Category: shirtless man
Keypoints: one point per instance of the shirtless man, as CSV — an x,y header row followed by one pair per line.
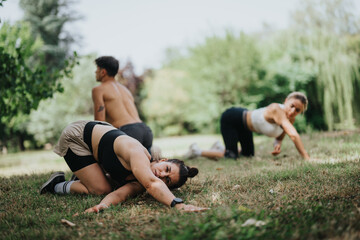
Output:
x,y
114,103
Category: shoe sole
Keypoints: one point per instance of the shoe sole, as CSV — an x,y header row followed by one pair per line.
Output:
x,y
54,175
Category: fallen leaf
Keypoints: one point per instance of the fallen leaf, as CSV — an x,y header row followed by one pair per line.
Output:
x,y
68,223
244,209
235,187
252,221
219,169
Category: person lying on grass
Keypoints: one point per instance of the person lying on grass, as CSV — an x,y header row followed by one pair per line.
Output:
x,y
91,148
238,124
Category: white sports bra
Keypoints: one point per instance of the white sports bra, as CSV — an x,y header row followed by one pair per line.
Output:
x,y
262,126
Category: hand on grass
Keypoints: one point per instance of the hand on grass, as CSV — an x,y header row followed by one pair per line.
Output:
x,y
277,149
96,209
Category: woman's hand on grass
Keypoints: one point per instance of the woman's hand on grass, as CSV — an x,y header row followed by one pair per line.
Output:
x,y
277,147
96,208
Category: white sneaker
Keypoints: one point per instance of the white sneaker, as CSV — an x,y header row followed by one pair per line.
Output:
x,y
217,146
193,152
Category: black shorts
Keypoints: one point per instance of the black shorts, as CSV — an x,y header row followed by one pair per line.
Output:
x,y
76,162
139,131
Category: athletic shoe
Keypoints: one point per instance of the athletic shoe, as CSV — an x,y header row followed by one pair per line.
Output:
x,y
218,146
49,185
193,152
74,178
155,152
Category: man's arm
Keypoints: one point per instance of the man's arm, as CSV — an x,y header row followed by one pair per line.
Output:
x,y
99,104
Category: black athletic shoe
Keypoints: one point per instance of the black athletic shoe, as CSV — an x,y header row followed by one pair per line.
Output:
x,y
74,178
49,185
230,154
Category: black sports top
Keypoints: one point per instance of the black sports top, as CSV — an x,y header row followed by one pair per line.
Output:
x,y
106,155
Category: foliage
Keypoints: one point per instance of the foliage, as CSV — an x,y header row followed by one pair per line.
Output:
x,y
326,32
23,83
47,20
74,103
318,55
34,57
189,94
315,200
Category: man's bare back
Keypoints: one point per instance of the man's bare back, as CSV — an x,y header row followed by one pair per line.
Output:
x,y
114,104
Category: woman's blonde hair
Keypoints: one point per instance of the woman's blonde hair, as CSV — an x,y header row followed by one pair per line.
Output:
x,y
302,97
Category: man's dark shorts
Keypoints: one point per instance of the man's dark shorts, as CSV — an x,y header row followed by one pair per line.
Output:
x,y
139,131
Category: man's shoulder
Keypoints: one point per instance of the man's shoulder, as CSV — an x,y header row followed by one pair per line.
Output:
x,y
97,88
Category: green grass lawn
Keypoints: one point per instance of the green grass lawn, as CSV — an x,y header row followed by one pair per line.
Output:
x,y
293,199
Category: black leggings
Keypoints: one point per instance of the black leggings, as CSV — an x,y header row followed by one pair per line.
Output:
x,y
233,130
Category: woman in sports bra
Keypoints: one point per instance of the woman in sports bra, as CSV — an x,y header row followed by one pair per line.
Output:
x,y
94,149
237,125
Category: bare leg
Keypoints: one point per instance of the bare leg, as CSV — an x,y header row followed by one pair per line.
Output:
x,y
212,153
92,181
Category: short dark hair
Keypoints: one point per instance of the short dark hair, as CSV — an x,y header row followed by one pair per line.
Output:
x,y
110,64
184,173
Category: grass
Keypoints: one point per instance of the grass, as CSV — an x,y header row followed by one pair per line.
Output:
x,y
295,200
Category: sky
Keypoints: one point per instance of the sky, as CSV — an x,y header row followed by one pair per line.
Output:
x,y
141,30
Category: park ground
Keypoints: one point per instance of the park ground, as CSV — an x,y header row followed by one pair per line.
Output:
x,y
263,197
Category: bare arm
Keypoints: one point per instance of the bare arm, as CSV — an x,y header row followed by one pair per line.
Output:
x,y
153,185
140,167
277,144
99,104
118,196
281,119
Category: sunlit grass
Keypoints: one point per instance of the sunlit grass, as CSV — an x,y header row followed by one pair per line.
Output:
x,y
293,199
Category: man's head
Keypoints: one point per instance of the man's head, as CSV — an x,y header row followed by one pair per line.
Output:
x,y
106,65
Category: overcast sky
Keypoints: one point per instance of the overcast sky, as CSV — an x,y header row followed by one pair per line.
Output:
x,y
141,30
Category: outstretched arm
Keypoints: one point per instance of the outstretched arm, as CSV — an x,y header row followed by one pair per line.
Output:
x,y
281,119
140,167
154,186
99,104
120,195
295,137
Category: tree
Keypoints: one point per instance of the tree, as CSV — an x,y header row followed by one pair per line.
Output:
x,y
25,78
325,31
190,92
22,85
74,103
48,19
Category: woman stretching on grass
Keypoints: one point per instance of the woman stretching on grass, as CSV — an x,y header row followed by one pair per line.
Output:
x,y
91,148
237,125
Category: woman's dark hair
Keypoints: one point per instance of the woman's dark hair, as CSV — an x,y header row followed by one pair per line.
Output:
x,y
185,172
110,64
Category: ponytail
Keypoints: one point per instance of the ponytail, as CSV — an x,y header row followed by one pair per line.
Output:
x,y
185,172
